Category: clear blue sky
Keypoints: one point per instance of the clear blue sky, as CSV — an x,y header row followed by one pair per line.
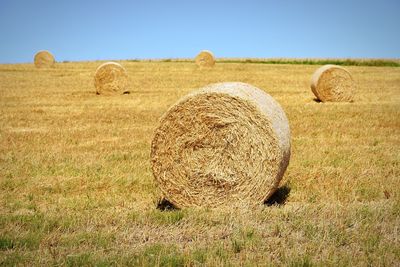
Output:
x,y
91,30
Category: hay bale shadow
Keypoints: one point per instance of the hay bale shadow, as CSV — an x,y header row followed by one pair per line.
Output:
x,y
279,197
317,100
165,205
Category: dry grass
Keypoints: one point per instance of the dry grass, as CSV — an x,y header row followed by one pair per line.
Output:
x,y
76,186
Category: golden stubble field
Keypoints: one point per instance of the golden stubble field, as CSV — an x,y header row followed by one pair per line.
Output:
x,y
76,186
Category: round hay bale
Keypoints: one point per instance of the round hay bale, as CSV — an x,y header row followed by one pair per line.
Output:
x,y
205,59
44,59
332,83
111,78
225,143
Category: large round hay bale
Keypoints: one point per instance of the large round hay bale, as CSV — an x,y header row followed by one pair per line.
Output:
x,y
225,143
332,83
205,59
111,78
44,59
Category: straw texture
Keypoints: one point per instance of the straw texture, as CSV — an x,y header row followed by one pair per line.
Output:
x,y
205,59
111,78
223,144
44,59
332,83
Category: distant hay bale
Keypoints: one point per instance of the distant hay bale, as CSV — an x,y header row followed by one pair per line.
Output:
x,y
111,78
225,143
205,59
44,59
332,83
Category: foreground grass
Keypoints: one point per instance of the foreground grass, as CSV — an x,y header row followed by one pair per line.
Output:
x,y
76,186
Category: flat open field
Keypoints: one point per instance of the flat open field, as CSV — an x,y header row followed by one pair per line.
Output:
x,y
76,187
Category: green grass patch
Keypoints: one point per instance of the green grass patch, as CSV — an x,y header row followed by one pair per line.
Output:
x,y
303,261
199,256
29,241
36,222
6,243
165,217
82,259
340,62
13,259
95,239
159,255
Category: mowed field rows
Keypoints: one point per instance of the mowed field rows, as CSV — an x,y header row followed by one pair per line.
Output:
x,y
76,186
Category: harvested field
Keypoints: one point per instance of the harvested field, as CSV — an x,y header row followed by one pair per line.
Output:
x,y
76,186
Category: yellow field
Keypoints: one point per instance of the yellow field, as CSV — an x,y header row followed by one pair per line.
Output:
x,y
76,186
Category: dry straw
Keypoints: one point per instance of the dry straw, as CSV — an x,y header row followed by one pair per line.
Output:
x,y
44,59
205,59
223,144
111,78
332,83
